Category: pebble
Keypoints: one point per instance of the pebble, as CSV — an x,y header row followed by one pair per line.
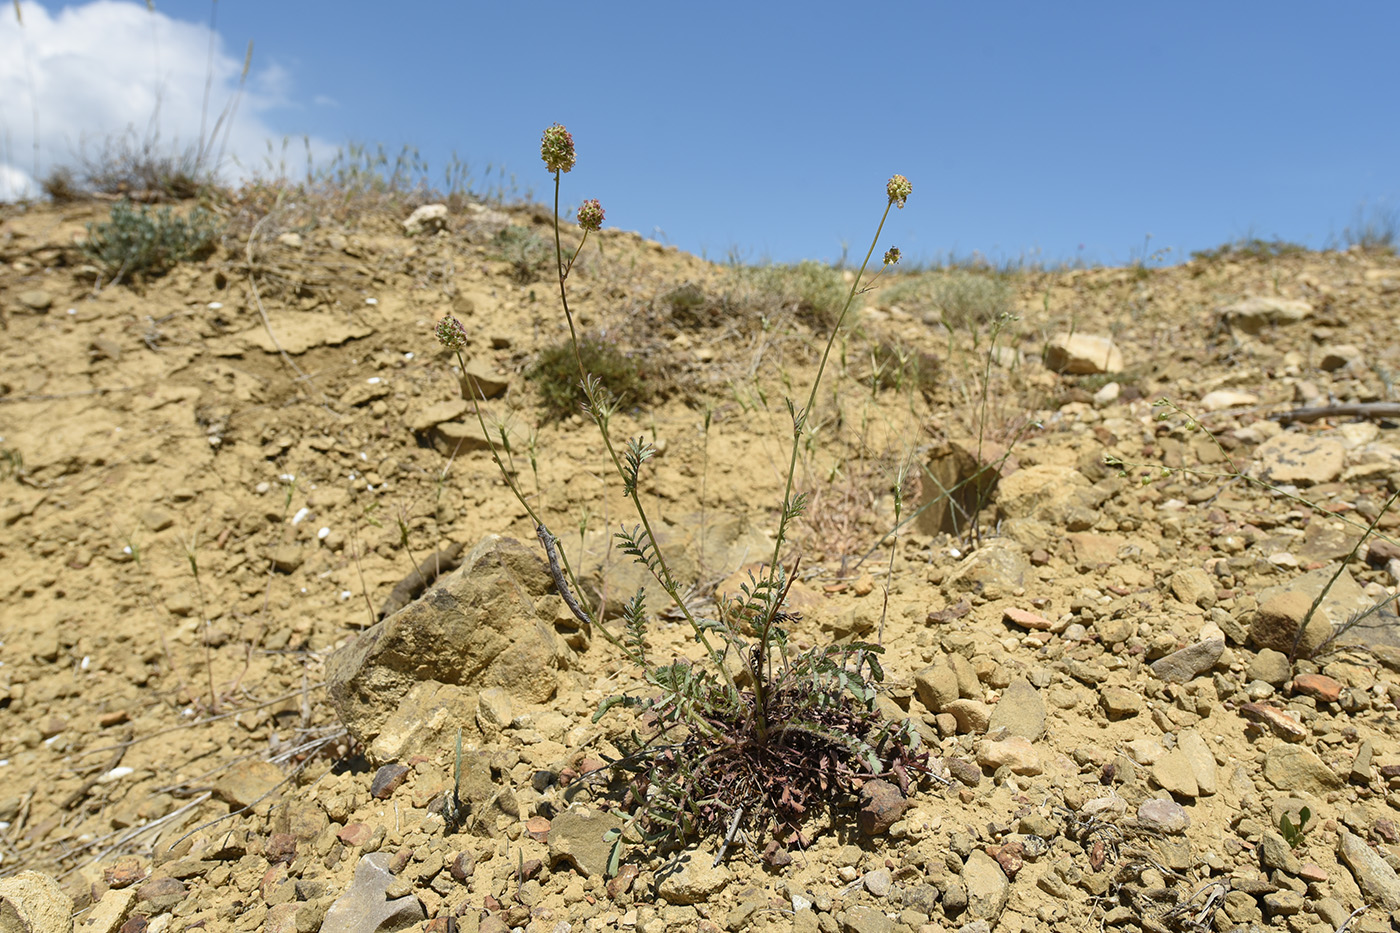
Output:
x,y
1318,686
1013,752
987,886
387,780
1020,711
1166,816
1173,773
877,882
1270,666
1294,768
1120,702
1180,667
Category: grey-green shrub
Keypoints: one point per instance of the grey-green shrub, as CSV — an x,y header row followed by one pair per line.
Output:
x,y
142,241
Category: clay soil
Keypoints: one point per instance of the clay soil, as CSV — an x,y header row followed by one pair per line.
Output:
x,y
209,476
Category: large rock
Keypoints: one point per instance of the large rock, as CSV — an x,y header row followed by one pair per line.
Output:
x,y
1055,494
1253,314
1282,609
576,837
1294,768
1375,878
1300,458
955,484
1082,354
482,625
31,902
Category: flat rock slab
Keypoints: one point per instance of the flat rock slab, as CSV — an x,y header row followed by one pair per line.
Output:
x,y
365,906
576,837
297,332
1300,458
1374,877
1182,666
34,903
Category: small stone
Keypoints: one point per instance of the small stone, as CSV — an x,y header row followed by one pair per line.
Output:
x,y
697,878
972,716
387,780
1252,314
355,834
1283,903
494,709
1020,711
1285,725
1013,752
1300,458
1180,667
1166,816
32,902
161,893
1173,773
35,299
1082,354
877,882
1339,356
1193,746
1318,686
884,805
1194,587
1028,620
1361,764
287,558
964,771
986,886
1374,876
1120,702
937,686
862,919
576,836
1275,853
240,787
1228,398
429,218
1270,666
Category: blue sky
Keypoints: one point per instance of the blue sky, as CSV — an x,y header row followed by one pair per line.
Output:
x,y
1043,131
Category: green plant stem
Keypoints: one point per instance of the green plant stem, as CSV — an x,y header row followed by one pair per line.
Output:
x,y
539,522
799,420
663,575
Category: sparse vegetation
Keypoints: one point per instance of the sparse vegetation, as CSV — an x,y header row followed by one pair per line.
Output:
x,y
527,253
1249,248
1373,231
754,734
555,373
146,242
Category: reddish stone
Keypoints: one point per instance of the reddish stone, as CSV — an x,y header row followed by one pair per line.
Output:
x,y
463,866
883,805
387,780
538,828
1318,686
281,847
355,834
620,883
115,718
1011,857
1027,619
1311,871
1284,725
126,872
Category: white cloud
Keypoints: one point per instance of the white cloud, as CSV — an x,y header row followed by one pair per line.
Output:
x,y
107,69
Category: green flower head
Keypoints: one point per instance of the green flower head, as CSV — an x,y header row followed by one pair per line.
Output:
x,y
557,149
898,188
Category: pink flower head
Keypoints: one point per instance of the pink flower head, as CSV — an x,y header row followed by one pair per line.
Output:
x,y
898,188
590,215
557,149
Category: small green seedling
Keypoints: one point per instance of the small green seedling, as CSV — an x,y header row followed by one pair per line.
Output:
x,y
1293,835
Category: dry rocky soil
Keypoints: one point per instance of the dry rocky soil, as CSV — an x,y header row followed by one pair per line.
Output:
x,y
212,481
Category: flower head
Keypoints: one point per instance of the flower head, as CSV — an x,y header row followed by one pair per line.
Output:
x,y
557,149
892,255
451,334
898,188
590,215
